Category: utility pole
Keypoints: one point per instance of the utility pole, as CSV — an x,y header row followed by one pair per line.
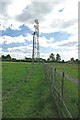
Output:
x,y
35,52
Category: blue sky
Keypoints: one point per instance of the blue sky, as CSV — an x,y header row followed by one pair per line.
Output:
x,y
58,36
57,26
15,33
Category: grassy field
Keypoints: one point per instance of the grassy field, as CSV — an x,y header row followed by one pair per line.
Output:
x,y
70,95
71,69
0,89
26,92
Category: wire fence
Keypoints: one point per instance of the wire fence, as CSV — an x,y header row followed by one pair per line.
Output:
x,y
64,88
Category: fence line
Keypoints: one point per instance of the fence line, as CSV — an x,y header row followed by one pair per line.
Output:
x,y
69,77
63,103
52,77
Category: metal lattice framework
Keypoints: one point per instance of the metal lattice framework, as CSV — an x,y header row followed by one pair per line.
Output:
x,y
35,53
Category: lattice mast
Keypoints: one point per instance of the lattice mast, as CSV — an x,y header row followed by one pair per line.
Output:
x,y
35,53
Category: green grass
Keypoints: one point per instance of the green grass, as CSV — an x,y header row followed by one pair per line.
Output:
x,y
28,99
31,98
70,88
71,97
71,69
0,89
12,74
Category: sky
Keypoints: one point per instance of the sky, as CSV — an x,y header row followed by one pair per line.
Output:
x,y
58,27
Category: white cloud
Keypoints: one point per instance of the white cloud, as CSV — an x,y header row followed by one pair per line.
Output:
x,y
55,20
67,48
44,42
17,7
47,13
19,12
16,55
44,55
6,22
9,39
66,55
21,51
19,39
0,50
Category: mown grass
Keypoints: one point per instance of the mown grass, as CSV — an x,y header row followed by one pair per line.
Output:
x,y
26,99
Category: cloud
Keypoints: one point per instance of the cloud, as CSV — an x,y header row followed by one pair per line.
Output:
x,y
47,46
61,10
21,49
17,45
58,36
21,5
50,19
65,54
34,11
47,13
19,39
69,44
23,30
44,42
9,39
56,21
52,1
16,55
3,7
0,49
67,48
68,23
8,10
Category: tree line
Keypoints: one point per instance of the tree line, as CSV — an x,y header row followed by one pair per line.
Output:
x,y
57,58
52,58
26,59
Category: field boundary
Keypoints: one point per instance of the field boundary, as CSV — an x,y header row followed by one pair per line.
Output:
x,y
69,77
50,73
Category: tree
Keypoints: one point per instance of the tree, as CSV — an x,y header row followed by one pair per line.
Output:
x,y
2,57
41,60
28,59
58,57
48,59
72,59
77,60
62,61
8,57
52,58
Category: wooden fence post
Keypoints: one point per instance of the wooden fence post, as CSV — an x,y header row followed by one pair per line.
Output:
x,y
54,74
51,81
62,85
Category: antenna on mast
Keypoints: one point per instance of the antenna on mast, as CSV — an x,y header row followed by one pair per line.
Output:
x,y
35,52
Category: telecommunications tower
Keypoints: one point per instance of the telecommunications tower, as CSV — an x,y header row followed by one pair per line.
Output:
x,y
35,52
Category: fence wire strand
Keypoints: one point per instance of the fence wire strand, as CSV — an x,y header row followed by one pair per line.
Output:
x,y
51,76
